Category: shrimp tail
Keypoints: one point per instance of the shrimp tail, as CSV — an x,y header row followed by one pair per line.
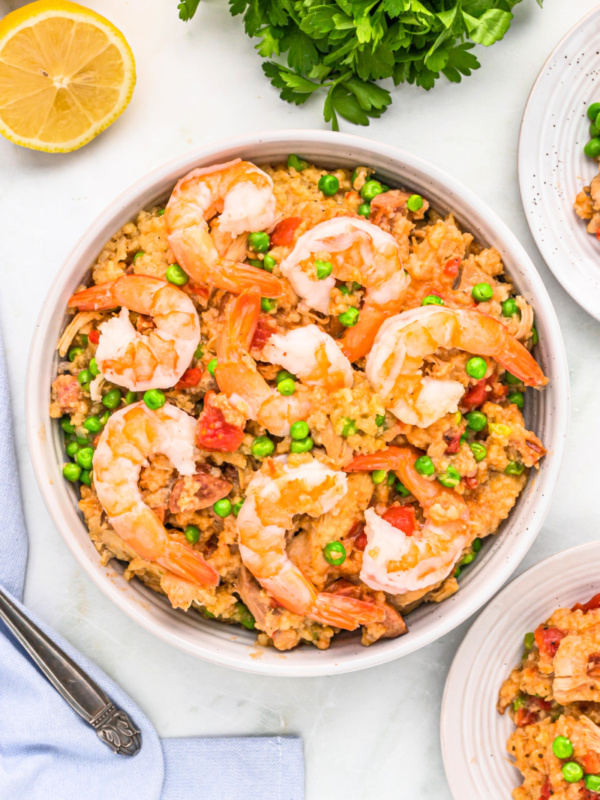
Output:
x,y
95,298
188,564
347,612
391,458
517,359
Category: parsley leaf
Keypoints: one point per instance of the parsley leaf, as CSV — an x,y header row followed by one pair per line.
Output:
x,y
187,9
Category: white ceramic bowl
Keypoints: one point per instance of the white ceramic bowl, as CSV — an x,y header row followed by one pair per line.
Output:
x,y
546,412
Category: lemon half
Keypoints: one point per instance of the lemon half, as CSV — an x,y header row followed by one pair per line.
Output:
x,y
66,74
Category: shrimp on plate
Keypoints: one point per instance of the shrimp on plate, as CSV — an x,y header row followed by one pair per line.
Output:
x,y
314,354
394,365
243,196
397,561
576,667
130,436
274,496
358,251
154,360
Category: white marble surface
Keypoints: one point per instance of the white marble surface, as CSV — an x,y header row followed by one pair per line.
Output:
x,y
366,735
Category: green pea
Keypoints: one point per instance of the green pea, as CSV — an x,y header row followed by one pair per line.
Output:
x,y
378,476
509,307
84,457
516,398
212,365
113,398
323,268
93,424
286,387
356,286
478,450
71,472
138,255
593,111
349,427
349,318
534,337
592,148
594,130
334,553
245,616
518,703
199,352
562,747
104,418
176,275
131,397
82,441
401,489
476,545
450,478
255,262
208,614
345,290
299,430
329,185
192,533
74,352
67,425
529,640
514,468
512,379
482,292
364,210
370,190
592,783
84,377
86,477
572,772
476,367
269,263
267,305
302,445
414,202
457,573
391,479
380,420
259,241
154,399
283,375
84,339
432,300
468,559
237,507
262,447
93,367
296,162
72,448
424,465
476,420
222,508
160,212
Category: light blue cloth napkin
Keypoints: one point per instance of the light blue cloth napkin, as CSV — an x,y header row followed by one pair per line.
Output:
x,y
48,753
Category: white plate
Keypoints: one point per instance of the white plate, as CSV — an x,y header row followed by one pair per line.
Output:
x,y
473,734
546,413
552,164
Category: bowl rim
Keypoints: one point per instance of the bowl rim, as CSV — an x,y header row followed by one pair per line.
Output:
x,y
450,614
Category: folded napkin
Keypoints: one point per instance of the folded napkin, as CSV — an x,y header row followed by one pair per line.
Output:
x,y
47,752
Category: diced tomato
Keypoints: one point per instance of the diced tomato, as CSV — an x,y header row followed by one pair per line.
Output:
x,y
470,482
451,267
214,432
548,639
453,440
546,790
191,377
545,705
401,517
265,328
474,396
284,231
361,542
94,336
589,606
591,763
357,532
525,716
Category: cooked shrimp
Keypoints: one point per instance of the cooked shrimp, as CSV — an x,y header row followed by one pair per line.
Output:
x,y
243,195
155,360
358,251
311,354
576,667
273,497
399,563
394,365
238,377
130,436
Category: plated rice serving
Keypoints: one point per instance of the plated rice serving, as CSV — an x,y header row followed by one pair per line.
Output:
x,y
292,400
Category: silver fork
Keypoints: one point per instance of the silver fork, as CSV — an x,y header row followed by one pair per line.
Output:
x,y
112,725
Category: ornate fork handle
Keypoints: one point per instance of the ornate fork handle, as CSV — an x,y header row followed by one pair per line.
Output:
x,y
112,725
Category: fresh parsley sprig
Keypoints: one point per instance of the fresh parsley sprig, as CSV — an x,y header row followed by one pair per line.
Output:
x,y
340,48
